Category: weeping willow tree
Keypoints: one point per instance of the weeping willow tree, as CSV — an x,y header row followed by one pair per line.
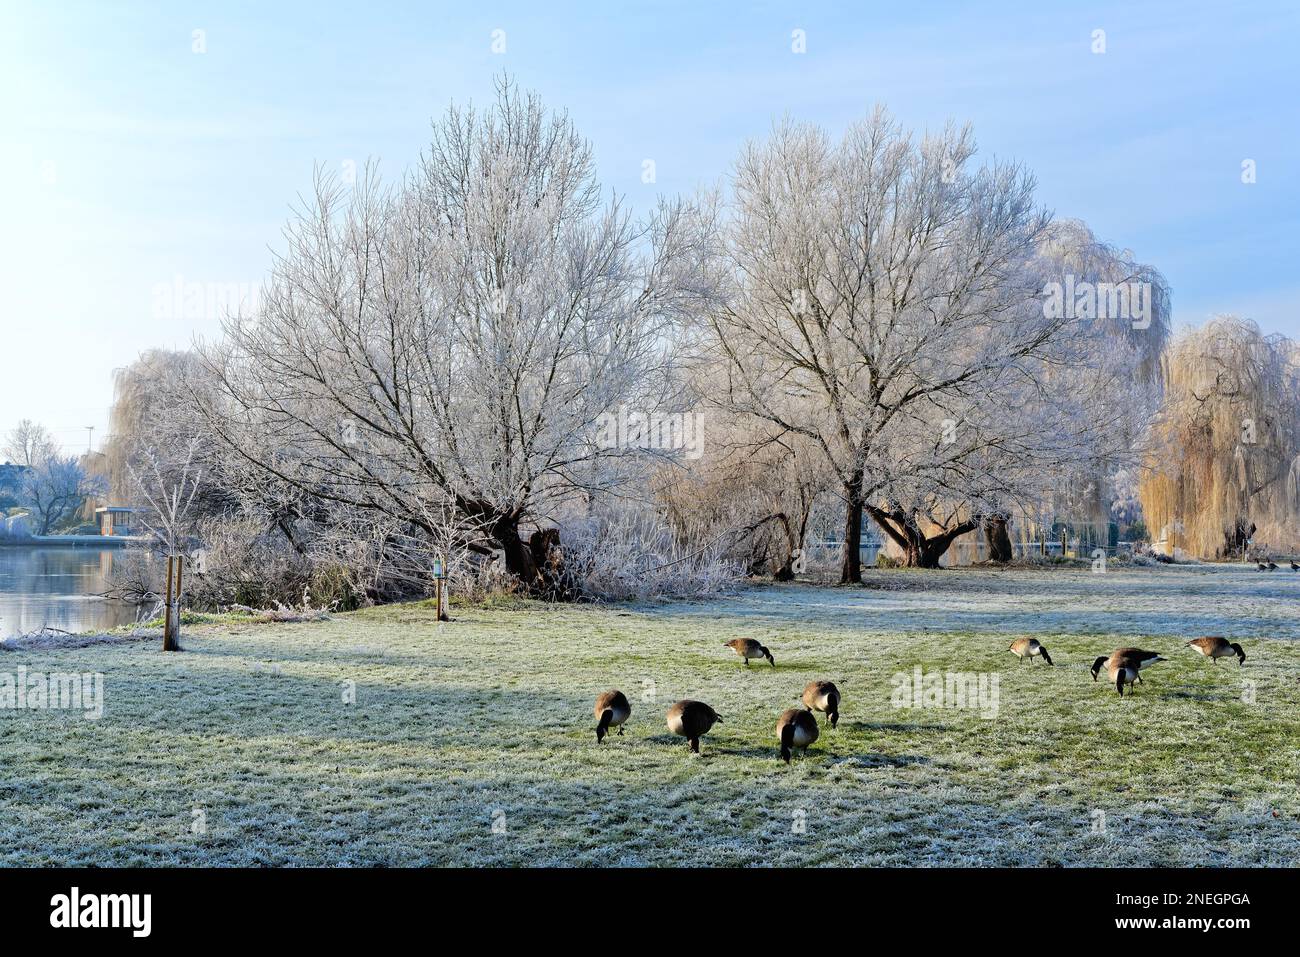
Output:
x,y
144,393
1224,465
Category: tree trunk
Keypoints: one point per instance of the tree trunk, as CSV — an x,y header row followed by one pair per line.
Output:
x,y
538,563
555,581
851,568
922,552
518,555
919,550
1235,538
926,552
933,548
998,539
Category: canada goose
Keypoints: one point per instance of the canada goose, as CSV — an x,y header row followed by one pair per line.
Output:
x,y
692,720
796,728
749,648
823,696
1262,566
1214,648
1123,671
1139,657
611,711
1028,648
1272,565
1294,566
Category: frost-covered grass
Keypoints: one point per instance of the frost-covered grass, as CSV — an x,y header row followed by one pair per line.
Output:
x,y
488,720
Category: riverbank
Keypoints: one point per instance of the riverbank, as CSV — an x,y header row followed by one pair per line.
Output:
x,y
472,742
68,541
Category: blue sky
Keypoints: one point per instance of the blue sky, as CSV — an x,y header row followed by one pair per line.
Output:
x,y
127,160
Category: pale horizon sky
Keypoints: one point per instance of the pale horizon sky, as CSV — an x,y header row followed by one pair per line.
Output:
x,y
129,162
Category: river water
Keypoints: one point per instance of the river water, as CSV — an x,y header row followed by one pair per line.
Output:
x,y
57,586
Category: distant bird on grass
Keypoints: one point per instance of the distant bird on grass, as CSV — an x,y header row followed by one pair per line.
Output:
x,y
692,720
749,648
823,696
1214,648
796,728
1139,657
611,710
1029,648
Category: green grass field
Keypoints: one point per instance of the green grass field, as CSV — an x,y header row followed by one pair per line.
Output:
x,y
472,743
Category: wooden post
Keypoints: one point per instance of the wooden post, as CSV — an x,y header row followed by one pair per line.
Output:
x,y
167,608
439,577
171,609
176,594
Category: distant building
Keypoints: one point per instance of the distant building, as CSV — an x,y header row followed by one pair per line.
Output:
x,y
118,520
16,526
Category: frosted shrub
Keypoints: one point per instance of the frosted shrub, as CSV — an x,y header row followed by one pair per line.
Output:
x,y
632,554
245,565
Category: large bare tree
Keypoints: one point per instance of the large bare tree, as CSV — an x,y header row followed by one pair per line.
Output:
x,y
451,342
1058,425
885,286
29,444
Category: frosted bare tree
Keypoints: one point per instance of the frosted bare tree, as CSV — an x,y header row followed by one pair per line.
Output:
x,y
168,484
29,444
54,489
450,343
972,461
880,281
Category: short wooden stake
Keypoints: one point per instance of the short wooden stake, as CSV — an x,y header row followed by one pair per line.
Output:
x,y
171,608
442,610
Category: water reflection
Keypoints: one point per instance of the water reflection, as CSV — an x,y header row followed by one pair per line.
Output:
x,y
58,587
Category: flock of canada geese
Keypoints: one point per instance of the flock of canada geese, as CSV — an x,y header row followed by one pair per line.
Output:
x,y
1124,665
1272,566
797,727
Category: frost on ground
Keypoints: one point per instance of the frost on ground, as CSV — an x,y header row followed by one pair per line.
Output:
x,y
48,639
472,743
